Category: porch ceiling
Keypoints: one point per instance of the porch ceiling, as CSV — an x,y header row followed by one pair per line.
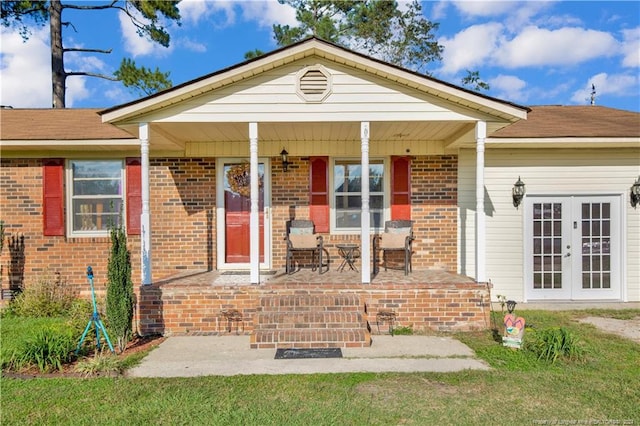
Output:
x,y
175,135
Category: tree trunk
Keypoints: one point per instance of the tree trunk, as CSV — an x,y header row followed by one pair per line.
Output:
x,y
58,75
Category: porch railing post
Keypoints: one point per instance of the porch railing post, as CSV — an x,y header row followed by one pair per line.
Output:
x,y
481,245
254,220
365,224
145,222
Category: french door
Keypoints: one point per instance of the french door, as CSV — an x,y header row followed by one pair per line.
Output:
x,y
573,248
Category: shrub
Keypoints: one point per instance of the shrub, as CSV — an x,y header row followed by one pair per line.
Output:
x,y
49,349
120,289
46,297
100,363
550,344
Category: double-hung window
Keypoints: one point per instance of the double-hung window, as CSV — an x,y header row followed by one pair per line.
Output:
x,y
95,196
347,194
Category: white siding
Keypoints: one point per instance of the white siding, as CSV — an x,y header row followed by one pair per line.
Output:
x,y
544,172
272,97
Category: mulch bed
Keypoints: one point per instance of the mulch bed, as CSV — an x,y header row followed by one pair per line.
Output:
x,y
138,344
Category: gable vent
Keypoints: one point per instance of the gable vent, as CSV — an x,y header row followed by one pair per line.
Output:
x,y
313,83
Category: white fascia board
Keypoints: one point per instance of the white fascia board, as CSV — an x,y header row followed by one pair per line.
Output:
x,y
563,142
465,99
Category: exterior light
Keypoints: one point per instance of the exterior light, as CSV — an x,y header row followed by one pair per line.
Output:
x,y
285,159
518,192
635,193
511,305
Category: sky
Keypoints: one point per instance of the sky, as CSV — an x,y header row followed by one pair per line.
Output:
x,y
530,52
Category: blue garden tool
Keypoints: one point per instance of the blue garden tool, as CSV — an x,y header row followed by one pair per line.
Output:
x,y
95,319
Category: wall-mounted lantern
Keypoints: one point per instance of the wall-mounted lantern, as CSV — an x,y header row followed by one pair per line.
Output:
x,y
285,159
635,193
518,192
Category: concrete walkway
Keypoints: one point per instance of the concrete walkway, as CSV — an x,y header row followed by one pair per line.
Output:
x,y
190,356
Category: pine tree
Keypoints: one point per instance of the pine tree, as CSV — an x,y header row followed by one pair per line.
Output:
x,y
120,298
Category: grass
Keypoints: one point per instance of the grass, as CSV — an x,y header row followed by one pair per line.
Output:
x,y
520,389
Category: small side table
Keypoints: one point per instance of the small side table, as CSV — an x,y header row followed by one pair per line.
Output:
x,y
386,316
233,316
349,253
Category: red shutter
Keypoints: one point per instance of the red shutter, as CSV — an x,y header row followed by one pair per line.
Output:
x,y
53,197
134,195
400,188
319,200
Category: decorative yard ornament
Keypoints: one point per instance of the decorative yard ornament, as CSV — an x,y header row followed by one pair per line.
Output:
x,y
513,328
95,319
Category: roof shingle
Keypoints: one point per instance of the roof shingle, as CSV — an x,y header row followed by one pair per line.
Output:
x,y
56,124
573,121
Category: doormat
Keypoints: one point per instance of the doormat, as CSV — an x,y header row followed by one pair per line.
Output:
x,y
297,353
247,273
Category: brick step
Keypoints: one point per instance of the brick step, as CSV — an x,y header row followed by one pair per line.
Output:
x,y
309,302
310,319
297,338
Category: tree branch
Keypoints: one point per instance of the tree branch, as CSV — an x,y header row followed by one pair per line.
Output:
x,y
77,49
92,74
99,7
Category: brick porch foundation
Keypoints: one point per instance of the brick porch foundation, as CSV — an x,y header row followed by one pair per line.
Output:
x,y
190,309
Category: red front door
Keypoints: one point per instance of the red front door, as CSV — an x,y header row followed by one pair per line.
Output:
x,y
237,206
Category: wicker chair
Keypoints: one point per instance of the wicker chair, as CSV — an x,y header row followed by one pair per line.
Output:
x,y
397,237
301,237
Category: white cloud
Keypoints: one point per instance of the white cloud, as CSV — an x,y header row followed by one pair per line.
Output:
x,y
194,11
631,48
509,87
25,70
566,46
438,11
267,13
614,84
191,45
136,45
470,47
484,8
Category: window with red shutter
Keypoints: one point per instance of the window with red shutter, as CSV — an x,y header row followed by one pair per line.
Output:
x,y
400,188
53,197
319,193
133,205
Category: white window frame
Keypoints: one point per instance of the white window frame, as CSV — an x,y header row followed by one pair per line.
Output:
x,y
70,197
386,172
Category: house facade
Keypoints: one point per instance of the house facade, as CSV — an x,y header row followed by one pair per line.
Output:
x,y
208,174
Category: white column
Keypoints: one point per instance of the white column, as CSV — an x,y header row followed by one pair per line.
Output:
x,y
365,224
254,219
145,221
481,233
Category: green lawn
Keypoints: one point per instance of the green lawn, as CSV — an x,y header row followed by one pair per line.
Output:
x,y
603,389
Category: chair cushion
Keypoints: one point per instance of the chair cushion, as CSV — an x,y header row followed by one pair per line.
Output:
x,y
301,231
403,231
393,241
303,241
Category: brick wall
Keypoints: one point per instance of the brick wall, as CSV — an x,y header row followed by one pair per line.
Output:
x,y
34,256
180,309
183,220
